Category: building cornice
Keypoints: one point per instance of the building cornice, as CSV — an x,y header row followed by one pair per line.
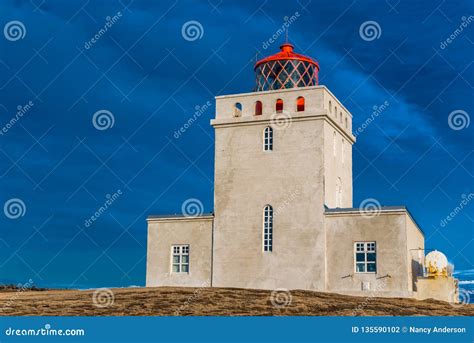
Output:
x,y
269,119
181,218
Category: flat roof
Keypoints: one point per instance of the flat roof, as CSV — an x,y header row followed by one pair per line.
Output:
x,y
180,216
382,209
358,209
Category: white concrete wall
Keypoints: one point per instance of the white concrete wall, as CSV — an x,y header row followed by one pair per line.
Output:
x,y
415,252
389,231
165,232
290,178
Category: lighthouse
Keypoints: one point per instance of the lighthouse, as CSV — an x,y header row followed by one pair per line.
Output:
x,y
283,201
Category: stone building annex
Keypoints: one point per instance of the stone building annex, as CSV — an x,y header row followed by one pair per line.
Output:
x,y
283,212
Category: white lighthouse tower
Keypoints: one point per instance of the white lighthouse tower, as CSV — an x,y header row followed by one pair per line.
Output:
x,y
283,214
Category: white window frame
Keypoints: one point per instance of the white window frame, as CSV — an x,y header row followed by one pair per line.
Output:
x,y
267,229
181,251
365,248
268,139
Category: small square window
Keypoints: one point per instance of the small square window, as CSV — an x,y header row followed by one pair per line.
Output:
x,y
180,259
365,257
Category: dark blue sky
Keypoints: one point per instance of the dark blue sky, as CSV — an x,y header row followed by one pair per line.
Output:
x,y
151,79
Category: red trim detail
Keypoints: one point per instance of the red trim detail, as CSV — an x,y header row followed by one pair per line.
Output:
x,y
286,53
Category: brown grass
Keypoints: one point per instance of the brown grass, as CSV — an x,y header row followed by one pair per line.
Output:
x,y
168,301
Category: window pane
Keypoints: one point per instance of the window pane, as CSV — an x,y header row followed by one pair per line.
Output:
x,y
175,258
371,267
185,268
360,257
175,268
185,259
360,267
371,256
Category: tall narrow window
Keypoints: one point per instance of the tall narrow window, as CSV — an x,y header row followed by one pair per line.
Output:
x,y
365,257
300,104
279,106
180,258
268,228
237,109
346,123
258,108
268,139
334,143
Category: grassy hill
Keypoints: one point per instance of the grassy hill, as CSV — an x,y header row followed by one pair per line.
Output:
x,y
166,301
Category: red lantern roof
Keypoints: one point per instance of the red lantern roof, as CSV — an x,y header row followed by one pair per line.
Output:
x,y
286,53
286,69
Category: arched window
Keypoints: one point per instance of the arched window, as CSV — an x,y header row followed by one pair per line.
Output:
x,y
279,106
268,228
330,106
340,117
268,139
258,108
346,123
300,104
334,143
237,109
335,111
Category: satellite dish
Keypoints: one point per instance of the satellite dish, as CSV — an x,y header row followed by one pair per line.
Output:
x,y
436,263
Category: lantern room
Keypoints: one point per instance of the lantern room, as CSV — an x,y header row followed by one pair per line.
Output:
x,y
285,69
